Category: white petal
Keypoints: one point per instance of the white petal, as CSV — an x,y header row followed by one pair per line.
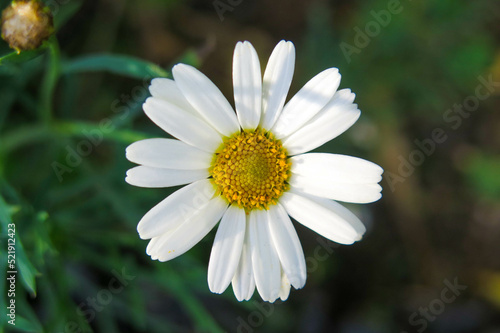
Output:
x,y
206,98
183,125
153,249
167,90
265,261
168,153
337,177
226,251
145,176
247,82
288,246
191,231
151,245
175,209
333,120
336,168
326,217
347,192
277,79
285,287
343,96
307,102
243,281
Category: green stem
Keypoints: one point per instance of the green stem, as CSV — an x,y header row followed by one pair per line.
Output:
x,y
49,81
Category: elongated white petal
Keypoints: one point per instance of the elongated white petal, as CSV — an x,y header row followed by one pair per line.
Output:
x,y
277,79
191,231
343,97
333,120
336,168
285,287
265,261
153,247
145,176
347,192
183,125
206,98
168,153
288,246
243,282
247,82
175,209
307,102
226,251
337,177
326,217
167,90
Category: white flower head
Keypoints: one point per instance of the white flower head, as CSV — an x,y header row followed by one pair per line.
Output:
x,y
249,170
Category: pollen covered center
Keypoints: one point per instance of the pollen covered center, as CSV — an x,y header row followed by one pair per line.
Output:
x,y
251,169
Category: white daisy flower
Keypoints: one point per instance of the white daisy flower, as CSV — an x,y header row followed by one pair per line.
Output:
x,y
249,170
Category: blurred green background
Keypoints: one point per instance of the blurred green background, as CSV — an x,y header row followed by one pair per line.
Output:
x,y
418,69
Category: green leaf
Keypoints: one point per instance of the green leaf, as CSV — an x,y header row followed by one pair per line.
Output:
x,y
26,270
17,58
109,131
116,64
24,325
4,214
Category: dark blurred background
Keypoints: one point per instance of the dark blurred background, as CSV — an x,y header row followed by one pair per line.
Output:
x,y
427,79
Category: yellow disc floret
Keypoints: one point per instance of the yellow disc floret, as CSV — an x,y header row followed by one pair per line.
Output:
x,y
250,169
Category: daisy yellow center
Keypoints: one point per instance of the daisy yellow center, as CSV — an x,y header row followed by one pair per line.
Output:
x,y
250,169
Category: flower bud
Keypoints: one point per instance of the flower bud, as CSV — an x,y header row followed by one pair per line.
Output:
x,y
26,24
